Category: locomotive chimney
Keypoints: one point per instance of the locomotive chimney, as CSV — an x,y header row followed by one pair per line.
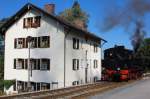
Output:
x,y
50,8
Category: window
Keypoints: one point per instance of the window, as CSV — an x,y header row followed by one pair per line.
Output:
x,y
44,42
36,64
54,85
27,22
95,48
19,43
75,64
31,22
45,64
36,42
36,21
19,63
75,43
33,43
95,63
75,83
45,86
33,86
38,86
33,64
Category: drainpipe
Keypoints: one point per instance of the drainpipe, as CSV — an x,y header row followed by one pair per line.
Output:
x,y
29,65
101,45
66,34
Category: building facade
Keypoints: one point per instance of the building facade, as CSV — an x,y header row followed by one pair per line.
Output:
x,y
47,53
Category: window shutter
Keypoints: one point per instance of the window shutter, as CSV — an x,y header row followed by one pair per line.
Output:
x,y
23,42
73,64
39,21
35,42
31,21
74,43
14,63
39,42
15,43
77,64
77,43
48,64
96,63
39,64
23,64
26,64
26,43
24,23
48,41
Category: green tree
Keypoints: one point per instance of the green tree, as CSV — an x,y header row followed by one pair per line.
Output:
x,y
75,15
144,53
1,67
1,62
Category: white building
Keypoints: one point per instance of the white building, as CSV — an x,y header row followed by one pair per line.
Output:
x,y
60,53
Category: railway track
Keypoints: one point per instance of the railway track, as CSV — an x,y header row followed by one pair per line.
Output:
x,y
75,92
53,93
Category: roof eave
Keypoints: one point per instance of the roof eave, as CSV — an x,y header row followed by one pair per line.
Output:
x,y
29,6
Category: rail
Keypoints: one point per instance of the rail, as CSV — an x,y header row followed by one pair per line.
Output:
x,y
62,92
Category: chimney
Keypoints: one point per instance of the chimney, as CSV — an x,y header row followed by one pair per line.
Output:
x,y
50,8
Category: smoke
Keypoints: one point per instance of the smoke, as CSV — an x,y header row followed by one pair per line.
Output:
x,y
130,14
138,35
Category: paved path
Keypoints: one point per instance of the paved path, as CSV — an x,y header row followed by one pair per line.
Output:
x,y
138,90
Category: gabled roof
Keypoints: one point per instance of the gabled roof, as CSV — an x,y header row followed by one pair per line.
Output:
x,y
30,6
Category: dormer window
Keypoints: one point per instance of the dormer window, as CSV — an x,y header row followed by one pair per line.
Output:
x,y
32,22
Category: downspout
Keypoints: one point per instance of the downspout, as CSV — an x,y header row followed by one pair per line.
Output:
x,y
101,45
66,34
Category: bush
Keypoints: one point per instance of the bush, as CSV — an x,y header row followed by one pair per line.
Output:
x,y
6,83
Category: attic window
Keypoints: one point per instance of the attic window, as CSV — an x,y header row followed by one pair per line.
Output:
x,y
27,22
75,43
95,48
36,21
31,22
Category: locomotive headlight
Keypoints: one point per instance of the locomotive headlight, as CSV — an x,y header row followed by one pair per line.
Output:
x,y
118,68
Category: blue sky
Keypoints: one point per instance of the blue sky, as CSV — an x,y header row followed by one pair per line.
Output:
x,y
95,8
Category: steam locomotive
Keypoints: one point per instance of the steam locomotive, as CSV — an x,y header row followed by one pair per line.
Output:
x,y
120,64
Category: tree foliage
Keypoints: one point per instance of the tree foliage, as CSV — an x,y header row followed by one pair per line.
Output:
x,y
1,67
75,14
144,53
6,83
